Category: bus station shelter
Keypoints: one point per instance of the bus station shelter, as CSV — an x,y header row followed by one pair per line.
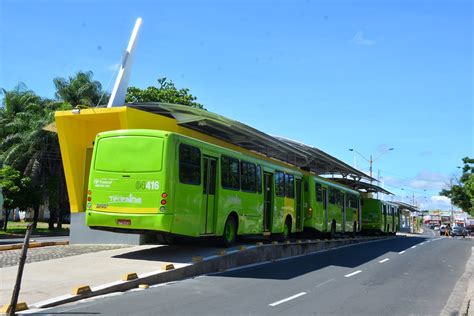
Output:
x,y
78,128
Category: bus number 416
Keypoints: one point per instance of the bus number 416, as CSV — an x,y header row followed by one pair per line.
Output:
x,y
147,185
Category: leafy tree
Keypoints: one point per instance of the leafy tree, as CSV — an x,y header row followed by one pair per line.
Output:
x,y
80,90
462,193
166,93
25,146
16,191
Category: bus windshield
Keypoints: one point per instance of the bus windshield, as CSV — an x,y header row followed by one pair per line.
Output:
x,y
129,154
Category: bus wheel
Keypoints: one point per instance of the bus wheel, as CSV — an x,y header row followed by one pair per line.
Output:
x,y
333,229
230,232
170,240
287,229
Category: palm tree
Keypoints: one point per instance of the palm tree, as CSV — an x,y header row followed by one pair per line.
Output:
x,y
80,90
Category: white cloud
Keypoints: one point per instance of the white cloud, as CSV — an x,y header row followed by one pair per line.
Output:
x,y
437,202
428,180
359,39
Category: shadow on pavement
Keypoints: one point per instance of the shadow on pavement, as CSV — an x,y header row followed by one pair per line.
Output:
x,y
171,253
348,257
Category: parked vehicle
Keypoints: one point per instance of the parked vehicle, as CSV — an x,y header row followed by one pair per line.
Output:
x,y
459,231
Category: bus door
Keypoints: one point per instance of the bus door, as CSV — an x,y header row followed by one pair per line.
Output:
x,y
209,193
325,208
267,203
343,210
384,219
299,207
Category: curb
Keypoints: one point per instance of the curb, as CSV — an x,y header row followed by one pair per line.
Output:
x,y
212,264
34,245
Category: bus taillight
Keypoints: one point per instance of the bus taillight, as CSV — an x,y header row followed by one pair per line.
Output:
x,y
163,202
164,195
89,192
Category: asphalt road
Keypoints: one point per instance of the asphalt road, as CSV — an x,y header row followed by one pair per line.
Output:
x,y
406,275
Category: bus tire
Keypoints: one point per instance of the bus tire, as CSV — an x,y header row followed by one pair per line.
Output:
x,y
230,232
332,233
286,229
170,240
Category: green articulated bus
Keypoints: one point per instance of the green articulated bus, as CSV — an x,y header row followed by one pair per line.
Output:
x,y
379,216
332,207
164,183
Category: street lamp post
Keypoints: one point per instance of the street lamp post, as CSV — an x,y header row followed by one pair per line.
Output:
x,y
370,160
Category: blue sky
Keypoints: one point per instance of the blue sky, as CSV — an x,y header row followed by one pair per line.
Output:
x,y
368,75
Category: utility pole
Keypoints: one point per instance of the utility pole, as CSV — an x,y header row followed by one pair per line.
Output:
x,y
371,159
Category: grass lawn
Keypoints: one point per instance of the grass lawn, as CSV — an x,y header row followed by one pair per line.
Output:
x,y
15,229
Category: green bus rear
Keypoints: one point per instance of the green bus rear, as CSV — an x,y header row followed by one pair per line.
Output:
x,y
158,182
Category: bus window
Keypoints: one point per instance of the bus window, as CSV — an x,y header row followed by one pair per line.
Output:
x,y
189,164
334,196
248,179
319,192
259,179
290,186
230,175
279,183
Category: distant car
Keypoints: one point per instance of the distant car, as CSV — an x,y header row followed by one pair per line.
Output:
x,y
459,231
442,229
470,230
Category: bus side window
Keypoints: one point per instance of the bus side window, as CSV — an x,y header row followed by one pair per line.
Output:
x,y
248,176
279,183
189,164
319,192
259,179
230,173
290,186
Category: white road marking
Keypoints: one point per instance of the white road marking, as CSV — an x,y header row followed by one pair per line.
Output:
x,y
413,247
321,284
384,260
353,273
402,252
287,299
422,244
427,241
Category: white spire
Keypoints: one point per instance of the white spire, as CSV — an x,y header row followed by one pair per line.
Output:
x,y
121,83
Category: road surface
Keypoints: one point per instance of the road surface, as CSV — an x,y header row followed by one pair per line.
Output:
x,y
405,275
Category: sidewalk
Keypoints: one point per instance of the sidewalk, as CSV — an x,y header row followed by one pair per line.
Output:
x,y
55,277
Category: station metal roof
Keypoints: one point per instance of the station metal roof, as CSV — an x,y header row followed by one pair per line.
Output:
x,y
289,151
407,206
361,185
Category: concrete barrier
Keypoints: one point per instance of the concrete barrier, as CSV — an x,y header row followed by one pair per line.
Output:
x,y
212,264
34,245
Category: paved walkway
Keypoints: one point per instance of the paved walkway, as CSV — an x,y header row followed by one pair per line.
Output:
x,y
12,257
86,265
